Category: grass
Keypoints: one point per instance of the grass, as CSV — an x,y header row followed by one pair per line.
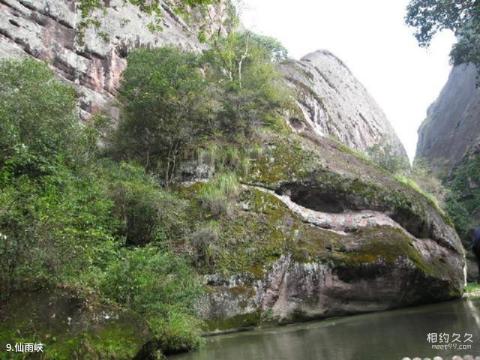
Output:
x,y
216,196
472,290
413,185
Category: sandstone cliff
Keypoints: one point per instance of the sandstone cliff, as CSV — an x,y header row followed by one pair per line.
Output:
x,y
449,142
452,126
334,103
91,52
316,230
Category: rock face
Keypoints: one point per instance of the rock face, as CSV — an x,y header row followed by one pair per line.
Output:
x,y
316,231
452,126
93,57
347,239
449,142
335,103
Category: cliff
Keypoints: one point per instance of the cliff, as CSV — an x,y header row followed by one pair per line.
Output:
x,y
308,228
90,50
449,143
452,126
334,103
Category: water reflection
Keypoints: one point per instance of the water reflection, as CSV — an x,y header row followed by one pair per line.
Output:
x,y
379,336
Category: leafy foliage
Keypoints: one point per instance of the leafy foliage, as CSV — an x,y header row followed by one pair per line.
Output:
x,y
163,288
463,204
38,122
387,159
167,108
66,215
147,213
252,89
174,101
429,17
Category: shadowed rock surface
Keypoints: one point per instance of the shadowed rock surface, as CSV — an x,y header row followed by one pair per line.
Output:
x,y
452,126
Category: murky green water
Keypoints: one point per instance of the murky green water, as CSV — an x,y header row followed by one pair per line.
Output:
x,y
379,336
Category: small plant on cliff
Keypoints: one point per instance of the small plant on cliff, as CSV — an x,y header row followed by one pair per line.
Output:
x,y
385,157
244,65
217,195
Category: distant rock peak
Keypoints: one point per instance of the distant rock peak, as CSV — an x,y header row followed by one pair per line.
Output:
x,y
334,103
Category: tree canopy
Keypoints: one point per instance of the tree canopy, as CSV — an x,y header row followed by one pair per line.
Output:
x,y
429,17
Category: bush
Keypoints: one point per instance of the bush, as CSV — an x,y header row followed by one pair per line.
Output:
x,y
161,287
58,230
38,121
252,90
387,159
167,109
217,195
146,212
202,242
463,203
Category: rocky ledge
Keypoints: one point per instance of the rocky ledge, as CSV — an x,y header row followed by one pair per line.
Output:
x,y
319,232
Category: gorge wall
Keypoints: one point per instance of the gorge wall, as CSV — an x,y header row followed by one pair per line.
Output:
x,y
93,57
315,230
449,143
452,126
90,50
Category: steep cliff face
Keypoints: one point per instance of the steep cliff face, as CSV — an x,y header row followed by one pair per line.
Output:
x,y
90,52
449,142
452,126
315,230
335,103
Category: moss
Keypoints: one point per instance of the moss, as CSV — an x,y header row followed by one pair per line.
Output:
x,y
237,322
283,159
69,329
472,290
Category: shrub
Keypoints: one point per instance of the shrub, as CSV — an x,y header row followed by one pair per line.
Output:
x,y
387,159
161,287
57,229
217,195
146,212
252,90
38,121
167,108
202,242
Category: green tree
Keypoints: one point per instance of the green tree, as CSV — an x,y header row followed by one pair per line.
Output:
x,y
252,89
462,17
167,108
38,124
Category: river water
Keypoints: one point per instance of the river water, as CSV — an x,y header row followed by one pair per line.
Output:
x,y
377,336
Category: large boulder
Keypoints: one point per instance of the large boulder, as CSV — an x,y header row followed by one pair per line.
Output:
x,y
320,231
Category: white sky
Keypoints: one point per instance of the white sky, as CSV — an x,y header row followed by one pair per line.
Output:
x,y
371,38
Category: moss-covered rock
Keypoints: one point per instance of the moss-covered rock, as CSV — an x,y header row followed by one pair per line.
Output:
x,y
71,326
383,245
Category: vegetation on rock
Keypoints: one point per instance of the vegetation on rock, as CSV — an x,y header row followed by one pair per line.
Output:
x,y
462,17
129,227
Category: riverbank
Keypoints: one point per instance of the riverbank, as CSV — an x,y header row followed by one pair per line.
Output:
x,y
472,290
